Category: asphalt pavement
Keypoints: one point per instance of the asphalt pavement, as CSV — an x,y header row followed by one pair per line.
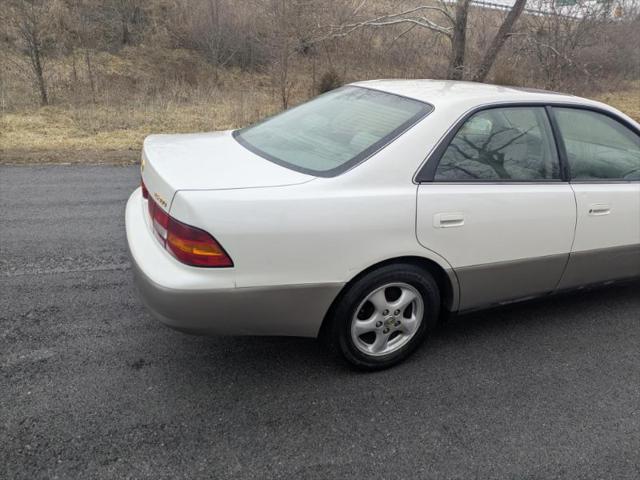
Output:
x,y
92,387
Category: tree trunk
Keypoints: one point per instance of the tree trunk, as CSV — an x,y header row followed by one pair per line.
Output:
x,y
92,85
215,40
125,10
125,29
284,77
504,32
37,69
74,70
459,41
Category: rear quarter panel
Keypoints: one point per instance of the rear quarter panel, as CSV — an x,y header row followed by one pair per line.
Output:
x,y
306,234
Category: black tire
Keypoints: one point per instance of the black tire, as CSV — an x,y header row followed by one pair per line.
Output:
x,y
339,336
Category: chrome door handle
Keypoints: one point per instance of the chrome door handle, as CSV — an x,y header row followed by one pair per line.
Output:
x,y
448,220
599,209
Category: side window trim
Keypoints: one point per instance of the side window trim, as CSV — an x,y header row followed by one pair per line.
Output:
x,y
561,145
427,171
565,168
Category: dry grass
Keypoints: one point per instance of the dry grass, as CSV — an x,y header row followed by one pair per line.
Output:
x,y
627,100
96,134
132,103
114,134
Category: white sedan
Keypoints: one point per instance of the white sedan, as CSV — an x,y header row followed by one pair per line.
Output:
x,y
363,215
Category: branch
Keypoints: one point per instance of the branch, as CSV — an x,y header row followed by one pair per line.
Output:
x,y
398,37
396,19
555,51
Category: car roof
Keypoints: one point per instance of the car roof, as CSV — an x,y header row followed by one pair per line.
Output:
x,y
466,94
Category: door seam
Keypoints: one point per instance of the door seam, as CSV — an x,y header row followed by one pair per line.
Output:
x,y
573,241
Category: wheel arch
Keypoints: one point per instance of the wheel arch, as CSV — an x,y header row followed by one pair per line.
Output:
x,y
445,279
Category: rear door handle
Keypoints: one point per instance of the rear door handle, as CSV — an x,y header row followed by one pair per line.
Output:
x,y
448,220
598,209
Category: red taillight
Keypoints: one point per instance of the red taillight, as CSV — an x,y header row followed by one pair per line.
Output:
x,y
188,244
145,192
160,220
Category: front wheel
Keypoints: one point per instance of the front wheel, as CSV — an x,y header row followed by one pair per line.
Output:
x,y
384,316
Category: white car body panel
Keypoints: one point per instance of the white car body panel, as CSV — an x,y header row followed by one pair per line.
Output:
x,y
496,237
208,161
608,221
539,219
296,240
302,239
608,215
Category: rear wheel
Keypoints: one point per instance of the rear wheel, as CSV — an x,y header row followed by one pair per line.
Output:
x,y
384,316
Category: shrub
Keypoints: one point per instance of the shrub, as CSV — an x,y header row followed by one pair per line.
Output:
x,y
329,81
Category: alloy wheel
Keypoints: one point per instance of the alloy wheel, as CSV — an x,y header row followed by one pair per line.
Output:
x,y
387,319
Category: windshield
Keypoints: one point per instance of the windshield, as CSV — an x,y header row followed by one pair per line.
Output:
x,y
331,133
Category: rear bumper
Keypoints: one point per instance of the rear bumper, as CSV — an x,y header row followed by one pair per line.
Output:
x,y
207,301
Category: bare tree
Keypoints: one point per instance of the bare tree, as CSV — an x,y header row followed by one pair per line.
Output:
x,y
289,33
555,38
439,19
223,31
127,13
86,45
282,48
74,34
500,37
28,20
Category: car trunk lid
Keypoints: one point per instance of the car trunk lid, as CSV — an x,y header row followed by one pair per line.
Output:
x,y
207,161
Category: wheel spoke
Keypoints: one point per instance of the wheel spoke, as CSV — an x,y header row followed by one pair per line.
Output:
x,y
360,327
379,300
409,325
405,299
380,342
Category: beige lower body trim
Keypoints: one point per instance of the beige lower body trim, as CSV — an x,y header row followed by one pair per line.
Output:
x,y
602,265
491,284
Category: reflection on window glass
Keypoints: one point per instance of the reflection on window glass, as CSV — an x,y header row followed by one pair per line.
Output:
x,y
598,147
512,143
333,131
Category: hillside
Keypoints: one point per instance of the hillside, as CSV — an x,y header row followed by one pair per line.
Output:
x,y
115,71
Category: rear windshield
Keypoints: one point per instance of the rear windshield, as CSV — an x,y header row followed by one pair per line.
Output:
x,y
334,131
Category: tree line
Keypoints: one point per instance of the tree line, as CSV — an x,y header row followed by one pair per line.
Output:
x,y
593,41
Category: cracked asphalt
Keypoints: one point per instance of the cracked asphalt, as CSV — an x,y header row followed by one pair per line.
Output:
x,y
92,387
